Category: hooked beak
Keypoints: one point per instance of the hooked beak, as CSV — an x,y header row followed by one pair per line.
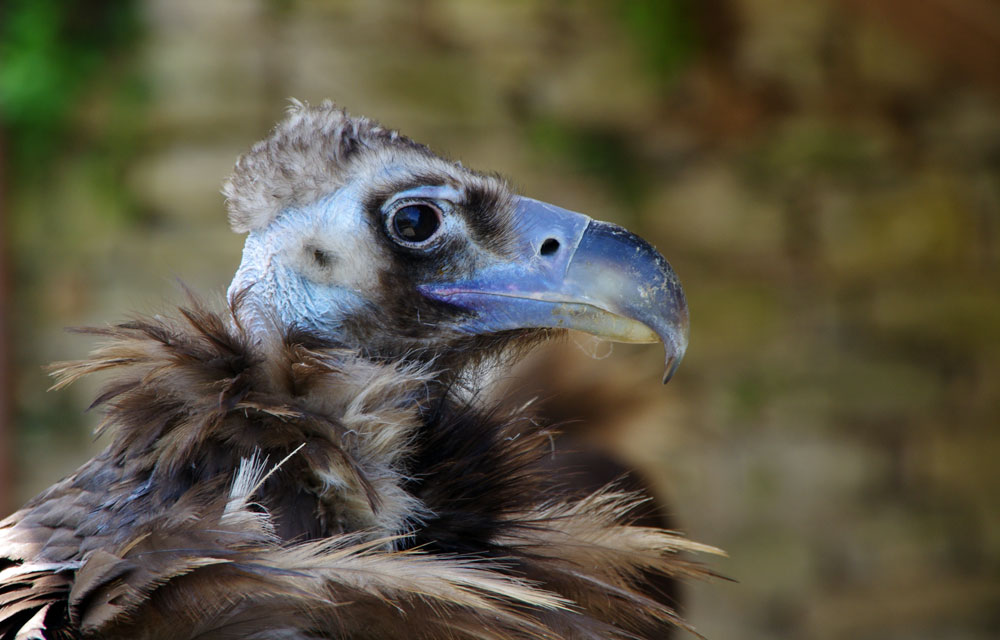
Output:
x,y
573,272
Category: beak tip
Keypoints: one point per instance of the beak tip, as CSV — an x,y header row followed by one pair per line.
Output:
x,y
670,368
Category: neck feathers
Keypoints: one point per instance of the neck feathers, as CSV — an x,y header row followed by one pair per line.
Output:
x,y
359,481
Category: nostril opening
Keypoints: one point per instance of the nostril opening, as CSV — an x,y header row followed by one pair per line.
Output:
x,y
549,247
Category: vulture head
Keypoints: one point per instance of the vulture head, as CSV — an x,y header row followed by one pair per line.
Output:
x,y
361,235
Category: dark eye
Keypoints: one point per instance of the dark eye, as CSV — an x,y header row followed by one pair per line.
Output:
x,y
416,222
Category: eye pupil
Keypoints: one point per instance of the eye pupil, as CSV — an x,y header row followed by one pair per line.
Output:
x,y
416,222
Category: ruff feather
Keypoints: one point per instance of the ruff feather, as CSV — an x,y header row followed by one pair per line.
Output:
x,y
390,509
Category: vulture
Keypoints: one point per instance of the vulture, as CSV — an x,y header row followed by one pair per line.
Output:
x,y
322,456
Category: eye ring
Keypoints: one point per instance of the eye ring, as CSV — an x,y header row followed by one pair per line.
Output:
x,y
415,224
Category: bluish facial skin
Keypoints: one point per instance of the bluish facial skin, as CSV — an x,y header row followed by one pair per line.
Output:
x,y
277,275
339,267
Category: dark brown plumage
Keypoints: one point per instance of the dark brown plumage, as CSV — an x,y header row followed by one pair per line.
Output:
x,y
266,480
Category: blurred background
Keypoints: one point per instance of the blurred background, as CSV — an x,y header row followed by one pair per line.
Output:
x,y
824,176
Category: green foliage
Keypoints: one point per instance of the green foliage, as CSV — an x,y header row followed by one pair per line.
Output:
x,y
601,153
664,31
49,52
665,35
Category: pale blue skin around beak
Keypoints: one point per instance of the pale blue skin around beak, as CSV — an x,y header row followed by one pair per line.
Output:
x,y
573,272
